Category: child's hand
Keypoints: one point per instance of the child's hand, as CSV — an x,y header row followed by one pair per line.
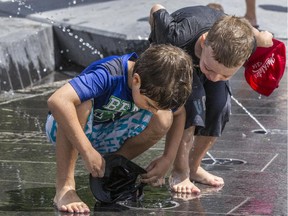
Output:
x,y
156,171
94,163
264,39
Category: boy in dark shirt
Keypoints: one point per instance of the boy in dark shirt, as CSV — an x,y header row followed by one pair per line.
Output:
x,y
219,45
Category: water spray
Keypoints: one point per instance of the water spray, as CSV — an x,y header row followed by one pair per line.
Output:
x,y
249,114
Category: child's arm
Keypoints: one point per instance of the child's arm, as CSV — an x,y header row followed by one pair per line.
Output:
x,y
159,167
165,29
154,8
63,105
263,38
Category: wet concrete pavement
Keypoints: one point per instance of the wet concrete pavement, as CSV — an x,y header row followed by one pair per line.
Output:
x,y
257,187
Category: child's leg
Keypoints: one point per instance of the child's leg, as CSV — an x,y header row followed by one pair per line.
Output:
x,y
201,145
66,198
251,12
179,179
218,108
188,161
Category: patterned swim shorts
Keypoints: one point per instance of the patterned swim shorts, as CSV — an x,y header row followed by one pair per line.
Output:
x,y
107,137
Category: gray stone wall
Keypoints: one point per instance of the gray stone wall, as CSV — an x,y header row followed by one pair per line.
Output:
x,y
27,52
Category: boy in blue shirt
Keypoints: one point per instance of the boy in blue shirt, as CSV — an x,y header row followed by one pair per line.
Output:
x,y
118,104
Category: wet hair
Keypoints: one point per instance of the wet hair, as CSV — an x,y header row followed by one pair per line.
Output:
x,y
166,75
232,40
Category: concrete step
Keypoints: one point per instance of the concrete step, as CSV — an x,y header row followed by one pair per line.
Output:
x,y
27,52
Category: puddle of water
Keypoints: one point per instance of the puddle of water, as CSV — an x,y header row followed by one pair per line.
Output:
x,y
150,204
30,198
154,198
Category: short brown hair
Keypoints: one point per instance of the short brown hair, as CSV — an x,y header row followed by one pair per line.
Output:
x,y
232,40
166,75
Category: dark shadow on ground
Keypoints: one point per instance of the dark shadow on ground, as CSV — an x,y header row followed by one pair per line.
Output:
x,y
276,8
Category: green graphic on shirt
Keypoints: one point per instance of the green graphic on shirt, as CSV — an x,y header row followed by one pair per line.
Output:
x,y
114,109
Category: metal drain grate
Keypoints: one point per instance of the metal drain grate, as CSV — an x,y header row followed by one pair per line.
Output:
x,y
223,161
150,204
260,131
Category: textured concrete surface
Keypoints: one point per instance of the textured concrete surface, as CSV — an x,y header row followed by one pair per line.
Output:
x,y
258,187
27,52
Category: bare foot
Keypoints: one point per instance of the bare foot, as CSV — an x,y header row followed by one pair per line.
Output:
x,y
182,184
67,200
204,177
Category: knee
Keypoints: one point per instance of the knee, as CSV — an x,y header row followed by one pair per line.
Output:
x,y
161,123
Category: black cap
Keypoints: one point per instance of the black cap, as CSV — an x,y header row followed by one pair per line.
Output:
x,y
119,181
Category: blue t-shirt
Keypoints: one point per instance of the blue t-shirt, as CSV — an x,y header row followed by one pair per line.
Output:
x,y
106,82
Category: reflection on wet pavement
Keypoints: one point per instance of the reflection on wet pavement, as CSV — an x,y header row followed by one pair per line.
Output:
x,y
253,188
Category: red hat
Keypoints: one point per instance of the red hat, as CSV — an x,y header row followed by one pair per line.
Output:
x,y
265,68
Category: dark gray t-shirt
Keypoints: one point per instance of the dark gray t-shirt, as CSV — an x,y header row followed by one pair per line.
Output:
x,y
183,27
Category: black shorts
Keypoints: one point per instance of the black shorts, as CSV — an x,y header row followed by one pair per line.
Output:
x,y
209,106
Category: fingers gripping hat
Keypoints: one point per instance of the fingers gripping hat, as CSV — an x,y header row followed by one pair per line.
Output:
x,y
265,68
119,181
